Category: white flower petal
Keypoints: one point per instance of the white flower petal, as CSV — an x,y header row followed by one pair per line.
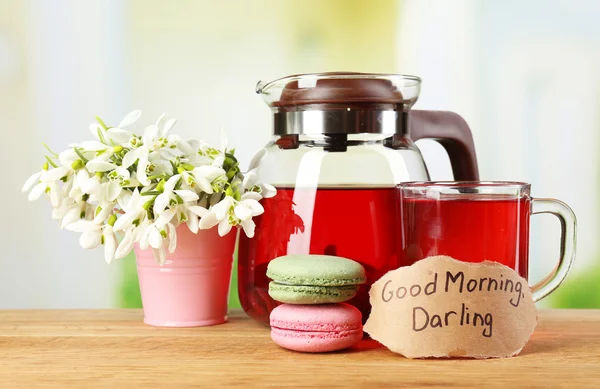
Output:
x,y
100,166
168,125
141,229
119,136
192,222
130,118
54,174
155,239
37,191
143,239
141,175
208,172
67,157
126,245
161,119
185,147
249,179
224,227
198,210
222,208
83,226
93,145
255,206
72,215
161,202
113,190
208,221
34,179
122,172
251,196
55,195
96,128
160,256
104,213
131,156
249,227
81,178
90,239
204,185
218,161
124,221
88,185
150,134
243,212
124,199
172,237
135,201
171,182
110,244
164,218
199,160
187,195
168,153
268,191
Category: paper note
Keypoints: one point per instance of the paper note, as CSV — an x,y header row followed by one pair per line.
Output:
x,y
441,307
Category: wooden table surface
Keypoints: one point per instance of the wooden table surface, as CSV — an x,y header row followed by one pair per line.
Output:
x,y
113,348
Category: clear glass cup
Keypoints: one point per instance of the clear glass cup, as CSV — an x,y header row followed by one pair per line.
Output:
x,y
477,221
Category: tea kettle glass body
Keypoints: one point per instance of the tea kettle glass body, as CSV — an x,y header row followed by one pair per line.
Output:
x,y
342,142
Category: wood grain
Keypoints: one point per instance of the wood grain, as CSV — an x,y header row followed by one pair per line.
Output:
x,y
113,349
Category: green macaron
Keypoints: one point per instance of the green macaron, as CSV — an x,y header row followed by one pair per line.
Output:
x,y
314,279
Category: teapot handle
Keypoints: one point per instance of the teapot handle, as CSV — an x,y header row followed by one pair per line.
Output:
x,y
452,132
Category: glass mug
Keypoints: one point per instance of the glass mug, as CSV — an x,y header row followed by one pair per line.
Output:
x,y
476,221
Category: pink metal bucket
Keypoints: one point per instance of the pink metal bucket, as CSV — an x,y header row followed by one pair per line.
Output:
x,y
192,288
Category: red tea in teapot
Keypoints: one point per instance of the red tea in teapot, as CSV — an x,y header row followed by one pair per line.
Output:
x,y
358,223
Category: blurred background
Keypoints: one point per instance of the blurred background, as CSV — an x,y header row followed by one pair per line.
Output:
x,y
525,76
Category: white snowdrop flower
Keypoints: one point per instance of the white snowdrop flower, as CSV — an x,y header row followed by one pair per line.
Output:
x,y
144,187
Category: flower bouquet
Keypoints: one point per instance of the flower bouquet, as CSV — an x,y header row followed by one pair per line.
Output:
x,y
143,186
148,189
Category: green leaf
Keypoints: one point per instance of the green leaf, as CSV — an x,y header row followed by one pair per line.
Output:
x,y
50,150
51,162
101,123
78,152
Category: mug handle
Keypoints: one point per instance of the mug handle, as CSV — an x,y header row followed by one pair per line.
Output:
x,y
453,133
568,240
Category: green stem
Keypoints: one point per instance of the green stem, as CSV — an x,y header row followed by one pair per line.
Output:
x,y
51,162
162,175
151,193
84,159
101,136
101,123
50,150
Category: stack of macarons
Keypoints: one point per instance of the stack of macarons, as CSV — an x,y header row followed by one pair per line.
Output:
x,y
313,316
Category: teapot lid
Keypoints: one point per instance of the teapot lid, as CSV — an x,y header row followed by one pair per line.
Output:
x,y
322,90
340,102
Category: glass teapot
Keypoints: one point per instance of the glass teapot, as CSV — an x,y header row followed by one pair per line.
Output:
x,y
342,142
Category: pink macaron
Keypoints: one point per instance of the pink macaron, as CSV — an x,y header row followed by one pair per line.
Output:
x,y
316,328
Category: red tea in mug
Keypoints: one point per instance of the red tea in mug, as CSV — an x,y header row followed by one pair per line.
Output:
x,y
470,228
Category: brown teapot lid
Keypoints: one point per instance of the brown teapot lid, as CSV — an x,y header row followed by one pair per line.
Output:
x,y
340,88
